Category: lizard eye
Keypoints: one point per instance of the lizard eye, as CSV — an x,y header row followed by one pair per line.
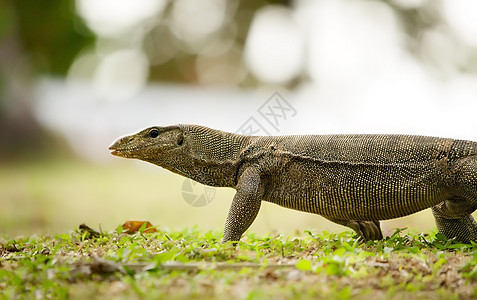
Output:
x,y
154,133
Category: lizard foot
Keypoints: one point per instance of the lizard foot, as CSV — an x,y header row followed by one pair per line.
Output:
x,y
366,230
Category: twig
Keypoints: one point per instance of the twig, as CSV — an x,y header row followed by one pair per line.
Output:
x,y
142,267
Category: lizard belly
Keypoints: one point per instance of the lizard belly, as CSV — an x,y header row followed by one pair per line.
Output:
x,y
358,192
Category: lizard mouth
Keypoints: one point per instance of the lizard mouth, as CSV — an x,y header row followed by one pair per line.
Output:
x,y
123,152
116,152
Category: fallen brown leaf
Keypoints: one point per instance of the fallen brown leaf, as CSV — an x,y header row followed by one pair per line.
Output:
x,y
134,226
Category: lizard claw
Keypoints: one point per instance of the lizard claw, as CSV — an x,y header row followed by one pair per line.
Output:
x,y
367,230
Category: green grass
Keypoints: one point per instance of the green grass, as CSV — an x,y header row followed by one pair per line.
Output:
x,y
195,265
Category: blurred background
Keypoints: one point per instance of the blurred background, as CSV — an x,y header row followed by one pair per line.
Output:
x,y
75,75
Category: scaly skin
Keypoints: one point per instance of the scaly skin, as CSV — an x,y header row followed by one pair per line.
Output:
x,y
353,180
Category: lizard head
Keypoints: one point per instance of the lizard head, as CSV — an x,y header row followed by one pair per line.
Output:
x,y
151,144
194,151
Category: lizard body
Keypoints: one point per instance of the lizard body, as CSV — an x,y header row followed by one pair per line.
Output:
x,y
353,180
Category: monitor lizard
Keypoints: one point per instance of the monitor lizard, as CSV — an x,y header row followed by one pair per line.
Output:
x,y
354,180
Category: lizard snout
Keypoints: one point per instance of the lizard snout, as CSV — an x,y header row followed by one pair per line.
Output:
x,y
120,145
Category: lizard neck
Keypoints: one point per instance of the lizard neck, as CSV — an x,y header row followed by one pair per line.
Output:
x,y
209,156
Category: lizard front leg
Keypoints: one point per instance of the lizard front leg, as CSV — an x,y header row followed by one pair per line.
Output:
x,y
245,205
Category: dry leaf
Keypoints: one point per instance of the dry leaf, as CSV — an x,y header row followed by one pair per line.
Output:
x,y
134,226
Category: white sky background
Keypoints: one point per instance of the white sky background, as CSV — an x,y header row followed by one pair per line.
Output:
x,y
361,79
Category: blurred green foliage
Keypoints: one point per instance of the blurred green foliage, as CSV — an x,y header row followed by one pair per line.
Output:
x,y
50,32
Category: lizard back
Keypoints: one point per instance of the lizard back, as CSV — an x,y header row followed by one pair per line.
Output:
x,y
362,177
373,148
